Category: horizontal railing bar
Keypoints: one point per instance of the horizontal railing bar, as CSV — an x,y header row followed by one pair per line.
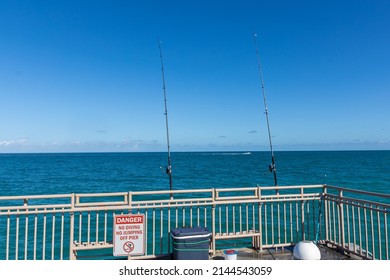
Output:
x,y
349,200
28,197
171,201
238,189
229,198
174,192
268,188
282,196
139,205
133,194
382,195
236,235
103,203
269,246
33,207
125,194
101,194
73,210
36,212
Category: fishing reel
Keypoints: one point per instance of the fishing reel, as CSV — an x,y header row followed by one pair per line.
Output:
x,y
271,168
168,170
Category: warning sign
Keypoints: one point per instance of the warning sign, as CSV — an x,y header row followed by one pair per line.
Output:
x,y
129,235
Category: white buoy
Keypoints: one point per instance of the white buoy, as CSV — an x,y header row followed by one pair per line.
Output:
x,y
230,254
306,250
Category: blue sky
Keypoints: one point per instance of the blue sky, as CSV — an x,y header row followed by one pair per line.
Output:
x,y
85,76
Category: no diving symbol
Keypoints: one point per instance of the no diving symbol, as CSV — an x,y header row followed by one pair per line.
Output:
x,y
128,246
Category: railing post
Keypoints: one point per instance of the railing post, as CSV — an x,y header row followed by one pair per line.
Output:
x,y
129,202
326,217
72,252
169,227
213,222
303,236
302,214
341,222
260,238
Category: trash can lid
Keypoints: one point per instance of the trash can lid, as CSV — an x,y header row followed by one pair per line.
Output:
x,y
230,252
190,231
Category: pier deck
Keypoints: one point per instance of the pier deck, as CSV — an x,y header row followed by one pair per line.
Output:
x,y
282,254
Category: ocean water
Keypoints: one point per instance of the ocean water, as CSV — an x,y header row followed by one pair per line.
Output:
x,y
30,174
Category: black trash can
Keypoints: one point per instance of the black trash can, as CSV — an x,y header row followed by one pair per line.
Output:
x,y
191,243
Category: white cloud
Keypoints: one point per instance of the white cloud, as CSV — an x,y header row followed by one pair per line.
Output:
x,y
18,142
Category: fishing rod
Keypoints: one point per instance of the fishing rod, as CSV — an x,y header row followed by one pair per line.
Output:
x,y
272,166
168,169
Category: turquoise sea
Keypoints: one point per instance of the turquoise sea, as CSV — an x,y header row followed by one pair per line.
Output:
x,y
30,174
